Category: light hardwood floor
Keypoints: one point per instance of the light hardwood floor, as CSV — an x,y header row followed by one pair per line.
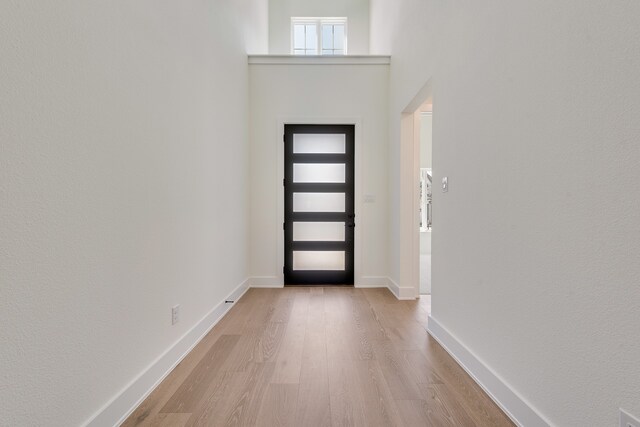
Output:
x,y
319,356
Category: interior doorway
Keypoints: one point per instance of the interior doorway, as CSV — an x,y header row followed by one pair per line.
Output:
x,y
412,197
319,208
426,196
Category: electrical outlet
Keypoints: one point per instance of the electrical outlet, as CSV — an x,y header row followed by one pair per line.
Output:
x,y
175,314
626,420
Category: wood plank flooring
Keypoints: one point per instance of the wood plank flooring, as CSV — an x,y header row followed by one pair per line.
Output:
x,y
319,356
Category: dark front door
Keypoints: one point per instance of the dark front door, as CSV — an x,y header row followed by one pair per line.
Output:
x,y
318,204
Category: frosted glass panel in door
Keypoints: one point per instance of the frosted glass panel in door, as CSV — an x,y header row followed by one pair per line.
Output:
x,y
318,260
318,172
318,202
319,143
318,231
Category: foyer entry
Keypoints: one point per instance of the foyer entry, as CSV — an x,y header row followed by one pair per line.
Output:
x,y
319,204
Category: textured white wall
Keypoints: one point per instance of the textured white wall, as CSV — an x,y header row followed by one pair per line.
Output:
x,y
318,94
536,124
123,190
426,131
281,12
253,18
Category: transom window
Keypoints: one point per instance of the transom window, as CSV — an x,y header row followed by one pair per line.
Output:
x,y
319,36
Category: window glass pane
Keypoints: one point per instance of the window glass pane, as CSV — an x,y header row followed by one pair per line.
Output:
x,y
318,172
338,52
312,37
318,260
327,37
327,52
338,37
318,202
298,36
318,231
319,143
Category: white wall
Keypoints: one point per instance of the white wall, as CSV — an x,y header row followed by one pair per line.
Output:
x,y
318,94
426,130
123,124
536,112
253,18
281,12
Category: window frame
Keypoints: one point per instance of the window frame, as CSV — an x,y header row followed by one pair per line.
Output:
x,y
318,22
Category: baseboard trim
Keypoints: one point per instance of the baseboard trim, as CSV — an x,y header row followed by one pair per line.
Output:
x,y
401,293
266,282
372,282
513,405
116,411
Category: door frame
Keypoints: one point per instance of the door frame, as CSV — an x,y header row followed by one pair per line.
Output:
x,y
409,287
357,205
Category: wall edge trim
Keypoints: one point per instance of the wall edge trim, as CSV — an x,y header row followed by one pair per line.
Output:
x,y
318,60
125,402
512,404
402,293
266,282
372,282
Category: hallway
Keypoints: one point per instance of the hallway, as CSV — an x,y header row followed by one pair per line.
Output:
x,y
319,356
